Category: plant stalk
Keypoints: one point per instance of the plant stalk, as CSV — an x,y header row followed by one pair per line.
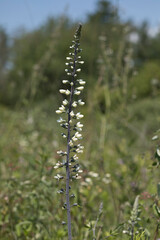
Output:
x,y
68,148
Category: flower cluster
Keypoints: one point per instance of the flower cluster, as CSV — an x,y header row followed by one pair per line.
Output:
x,y
70,119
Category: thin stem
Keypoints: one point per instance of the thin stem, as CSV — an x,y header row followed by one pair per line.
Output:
x,y
132,233
98,217
68,147
156,232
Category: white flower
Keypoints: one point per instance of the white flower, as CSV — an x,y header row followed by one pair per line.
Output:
x,y
72,114
79,115
75,157
71,83
155,137
88,180
74,104
65,102
58,165
58,111
58,177
78,70
80,88
64,135
67,92
79,125
81,82
62,108
79,150
81,62
80,146
93,174
67,64
158,152
76,176
77,92
68,58
64,81
124,231
62,91
78,135
74,139
70,143
66,70
69,74
80,102
108,175
61,153
61,120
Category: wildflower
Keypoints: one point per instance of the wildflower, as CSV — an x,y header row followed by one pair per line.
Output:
x,y
65,81
61,153
74,104
93,174
64,135
80,102
62,91
88,180
65,102
78,135
79,150
68,58
77,92
61,191
62,108
79,115
74,139
58,111
81,82
72,114
67,107
79,125
58,177
76,176
80,88
67,92
70,143
81,62
57,165
75,157
155,137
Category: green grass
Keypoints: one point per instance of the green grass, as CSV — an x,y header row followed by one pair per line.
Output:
x,y
30,207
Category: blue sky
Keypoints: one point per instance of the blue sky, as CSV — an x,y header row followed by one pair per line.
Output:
x,y
31,13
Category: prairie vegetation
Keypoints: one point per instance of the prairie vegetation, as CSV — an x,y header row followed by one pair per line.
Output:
x,y
118,194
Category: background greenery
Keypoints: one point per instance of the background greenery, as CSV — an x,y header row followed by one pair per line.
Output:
x,y
121,117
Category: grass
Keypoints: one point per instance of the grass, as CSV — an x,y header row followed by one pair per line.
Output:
x,y
114,174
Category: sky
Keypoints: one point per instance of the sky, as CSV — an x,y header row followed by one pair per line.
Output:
x,y
30,14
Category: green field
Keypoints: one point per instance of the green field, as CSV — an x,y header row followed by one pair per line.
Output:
x,y
118,195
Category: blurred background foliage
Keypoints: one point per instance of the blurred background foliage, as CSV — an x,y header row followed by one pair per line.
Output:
x,y
121,116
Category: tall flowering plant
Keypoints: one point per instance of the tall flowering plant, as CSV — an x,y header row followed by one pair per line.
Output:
x,y
71,124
